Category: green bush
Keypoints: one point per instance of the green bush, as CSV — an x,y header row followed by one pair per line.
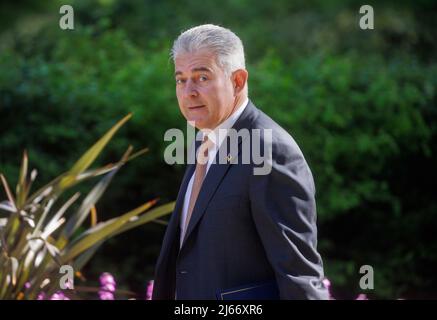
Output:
x,y
368,129
53,103
362,106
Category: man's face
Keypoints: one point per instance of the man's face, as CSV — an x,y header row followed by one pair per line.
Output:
x,y
205,93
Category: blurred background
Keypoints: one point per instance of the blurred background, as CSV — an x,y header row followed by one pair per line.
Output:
x,y
360,103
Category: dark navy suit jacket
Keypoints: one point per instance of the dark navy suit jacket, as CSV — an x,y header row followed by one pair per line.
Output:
x,y
246,229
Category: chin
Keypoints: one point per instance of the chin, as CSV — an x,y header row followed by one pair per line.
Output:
x,y
199,123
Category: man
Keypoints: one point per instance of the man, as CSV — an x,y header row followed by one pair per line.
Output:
x,y
235,234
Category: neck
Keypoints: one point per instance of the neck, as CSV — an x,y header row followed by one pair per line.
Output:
x,y
238,101
237,104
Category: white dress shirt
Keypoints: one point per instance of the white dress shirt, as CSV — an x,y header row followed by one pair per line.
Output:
x,y
213,136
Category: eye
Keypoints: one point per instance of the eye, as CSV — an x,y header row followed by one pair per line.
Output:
x,y
203,78
179,81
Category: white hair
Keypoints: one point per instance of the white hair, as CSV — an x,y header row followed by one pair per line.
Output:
x,y
223,43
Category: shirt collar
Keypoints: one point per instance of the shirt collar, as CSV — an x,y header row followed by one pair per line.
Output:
x,y
219,133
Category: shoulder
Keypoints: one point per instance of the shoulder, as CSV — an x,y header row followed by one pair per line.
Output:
x,y
282,142
287,158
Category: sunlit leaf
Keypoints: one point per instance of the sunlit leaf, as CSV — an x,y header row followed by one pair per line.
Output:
x,y
14,267
93,216
7,206
8,192
83,258
62,210
96,236
147,217
21,185
90,200
88,158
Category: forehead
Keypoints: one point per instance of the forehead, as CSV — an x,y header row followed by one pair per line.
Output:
x,y
194,62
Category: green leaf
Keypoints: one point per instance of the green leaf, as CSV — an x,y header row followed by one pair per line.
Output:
x,y
149,216
62,210
8,192
21,185
88,158
99,233
83,259
89,201
14,267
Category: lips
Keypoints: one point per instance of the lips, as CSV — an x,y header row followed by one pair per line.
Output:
x,y
196,107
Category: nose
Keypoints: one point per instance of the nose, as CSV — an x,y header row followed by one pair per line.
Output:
x,y
190,89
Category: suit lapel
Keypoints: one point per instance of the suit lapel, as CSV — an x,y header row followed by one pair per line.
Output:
x,y
217,171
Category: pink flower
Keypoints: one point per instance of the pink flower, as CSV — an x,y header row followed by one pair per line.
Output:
x,y
149,290
41,296
106,278
327,284
362,296
59,296
107,288
105,295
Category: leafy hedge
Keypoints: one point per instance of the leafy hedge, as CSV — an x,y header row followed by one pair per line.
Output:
x,y
367,125
368,128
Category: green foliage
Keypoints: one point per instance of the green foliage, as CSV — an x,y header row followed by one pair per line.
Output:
x,y
368,129
63,100
59,96
36,239
352,116
362,106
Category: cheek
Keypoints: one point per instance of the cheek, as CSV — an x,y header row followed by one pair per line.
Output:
x,y
179,93
213,94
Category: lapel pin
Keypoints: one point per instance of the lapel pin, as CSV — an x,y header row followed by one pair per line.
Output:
x,y
229,158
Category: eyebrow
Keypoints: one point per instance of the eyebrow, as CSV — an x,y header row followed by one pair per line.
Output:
x,y
199,69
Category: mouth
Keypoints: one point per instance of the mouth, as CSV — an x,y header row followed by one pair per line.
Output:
x,y
196,107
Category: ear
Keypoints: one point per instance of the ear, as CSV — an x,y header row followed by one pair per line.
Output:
x,y
239,80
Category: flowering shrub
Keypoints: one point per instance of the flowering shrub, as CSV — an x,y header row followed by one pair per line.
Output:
x,y
39,235
107,291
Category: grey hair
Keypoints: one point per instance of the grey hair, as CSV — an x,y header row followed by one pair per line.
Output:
x,y
223,43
